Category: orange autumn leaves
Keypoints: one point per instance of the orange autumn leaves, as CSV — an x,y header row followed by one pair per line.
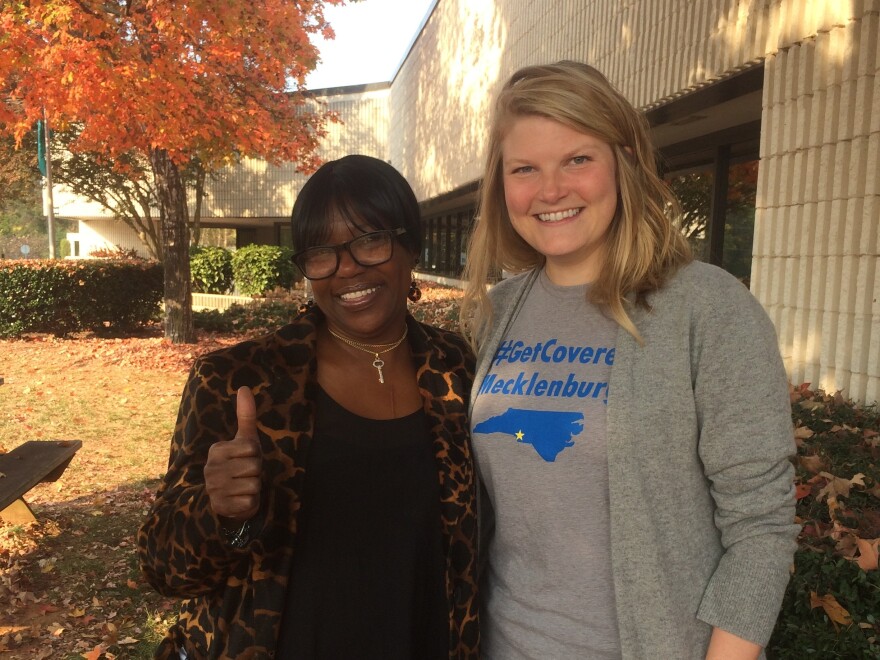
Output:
x,y
834,491
204,77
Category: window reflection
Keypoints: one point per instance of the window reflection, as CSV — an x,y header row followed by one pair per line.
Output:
x,y
735,219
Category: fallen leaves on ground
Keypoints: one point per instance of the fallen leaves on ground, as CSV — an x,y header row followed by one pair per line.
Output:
x,y
69,583
833,609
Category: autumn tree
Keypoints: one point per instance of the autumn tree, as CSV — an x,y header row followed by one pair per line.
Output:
x,y
125,188
211,80
19,177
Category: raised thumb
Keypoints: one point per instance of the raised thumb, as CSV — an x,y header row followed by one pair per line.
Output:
x,y
246,413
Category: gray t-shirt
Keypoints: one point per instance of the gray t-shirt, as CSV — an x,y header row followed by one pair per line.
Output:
x,y
539,440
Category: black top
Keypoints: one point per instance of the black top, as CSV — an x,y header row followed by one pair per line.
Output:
x,y
368,566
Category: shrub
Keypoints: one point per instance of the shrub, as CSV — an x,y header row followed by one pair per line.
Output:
x,y
832,604
260,268
805,631
64,248
121,295
211,269
439,307
245,319
32,295
61,297
116,252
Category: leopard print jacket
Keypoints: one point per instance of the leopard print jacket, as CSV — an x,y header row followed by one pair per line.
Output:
x,y
232,597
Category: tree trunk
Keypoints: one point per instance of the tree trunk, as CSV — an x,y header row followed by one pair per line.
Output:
x,y
175,248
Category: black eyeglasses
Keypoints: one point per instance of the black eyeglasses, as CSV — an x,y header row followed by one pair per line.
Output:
x,y
372,249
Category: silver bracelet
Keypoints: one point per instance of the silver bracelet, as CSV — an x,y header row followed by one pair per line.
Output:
x,y
237,538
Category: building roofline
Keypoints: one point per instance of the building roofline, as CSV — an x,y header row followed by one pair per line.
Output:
x,y
415,38
348,89
377,86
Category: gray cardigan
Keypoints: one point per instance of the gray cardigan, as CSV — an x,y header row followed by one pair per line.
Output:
x,y
701,485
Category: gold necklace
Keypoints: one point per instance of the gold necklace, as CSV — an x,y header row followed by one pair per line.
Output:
x,y
375,349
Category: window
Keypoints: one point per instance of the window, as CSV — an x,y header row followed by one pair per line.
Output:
x,y
709,144
444,242
719,221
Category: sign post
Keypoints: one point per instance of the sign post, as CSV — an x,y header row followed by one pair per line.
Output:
x,y
50,202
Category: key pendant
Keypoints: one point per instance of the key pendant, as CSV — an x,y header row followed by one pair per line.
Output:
x,y
379,363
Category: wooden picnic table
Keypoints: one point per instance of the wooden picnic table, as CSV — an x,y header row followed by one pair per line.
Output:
x,y
31,463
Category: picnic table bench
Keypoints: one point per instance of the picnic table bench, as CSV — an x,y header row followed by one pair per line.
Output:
x,y
27,465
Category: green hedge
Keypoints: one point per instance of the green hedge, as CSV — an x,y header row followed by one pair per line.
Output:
x,y
211,269
265,315
805,631
838,491
61,297
261,268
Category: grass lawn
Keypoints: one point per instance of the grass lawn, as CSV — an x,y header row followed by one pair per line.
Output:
x,y
69,584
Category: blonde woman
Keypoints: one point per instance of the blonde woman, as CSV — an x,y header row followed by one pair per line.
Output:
x,y
630,412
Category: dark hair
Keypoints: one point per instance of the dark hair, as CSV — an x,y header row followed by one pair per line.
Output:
x,y
366,192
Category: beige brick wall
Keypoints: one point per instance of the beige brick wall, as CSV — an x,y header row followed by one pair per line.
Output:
x,y
255,189
652,50
106,233
816,248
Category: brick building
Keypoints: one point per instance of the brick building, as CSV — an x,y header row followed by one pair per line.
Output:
x,y
767,110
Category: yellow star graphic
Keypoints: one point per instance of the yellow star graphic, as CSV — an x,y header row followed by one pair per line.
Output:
x,y
520,435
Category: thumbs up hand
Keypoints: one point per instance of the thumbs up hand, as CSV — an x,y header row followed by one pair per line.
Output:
x,y
234,467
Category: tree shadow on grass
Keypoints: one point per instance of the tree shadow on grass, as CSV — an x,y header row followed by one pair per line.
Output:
x,y
71,581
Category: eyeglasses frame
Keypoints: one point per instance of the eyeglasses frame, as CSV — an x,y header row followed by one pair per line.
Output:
x,y
339,247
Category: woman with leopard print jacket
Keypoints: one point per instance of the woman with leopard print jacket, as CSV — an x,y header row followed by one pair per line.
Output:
x,y
320,496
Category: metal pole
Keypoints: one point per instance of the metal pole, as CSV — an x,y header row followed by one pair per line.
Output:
x,y
50,213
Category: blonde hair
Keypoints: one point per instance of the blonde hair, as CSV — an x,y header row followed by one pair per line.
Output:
x,y
643,249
